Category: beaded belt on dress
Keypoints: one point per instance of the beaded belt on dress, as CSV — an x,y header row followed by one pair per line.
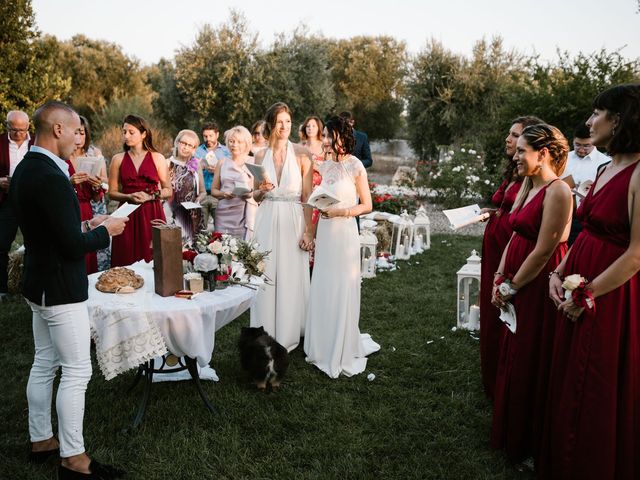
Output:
x,y
283,198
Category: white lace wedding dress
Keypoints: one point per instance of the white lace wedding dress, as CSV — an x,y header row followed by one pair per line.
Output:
x,y
333,341
281,308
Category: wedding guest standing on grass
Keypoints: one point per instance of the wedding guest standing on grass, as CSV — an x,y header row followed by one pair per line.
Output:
x,y
236,212
55,286
14,145
592,430
496,236
98,199
540,218
88,187
138,175
333,341
187,184
283,227
257,135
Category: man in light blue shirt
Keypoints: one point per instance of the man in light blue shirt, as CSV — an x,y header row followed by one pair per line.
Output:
x,y
209,153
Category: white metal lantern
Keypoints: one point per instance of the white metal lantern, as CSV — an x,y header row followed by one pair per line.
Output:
x,y
421,231
469,293
401,237
368,242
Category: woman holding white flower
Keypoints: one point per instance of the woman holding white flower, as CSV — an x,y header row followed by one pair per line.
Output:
x,y
540,219
187,182
593,423
233,186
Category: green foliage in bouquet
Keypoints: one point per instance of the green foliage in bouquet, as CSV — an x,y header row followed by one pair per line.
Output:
x,y
251,258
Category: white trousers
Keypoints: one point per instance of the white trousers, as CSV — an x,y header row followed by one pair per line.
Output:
x,y
62,338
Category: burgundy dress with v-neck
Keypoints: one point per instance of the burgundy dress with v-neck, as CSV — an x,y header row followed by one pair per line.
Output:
x,y
135,242
522,376
496,236
592,428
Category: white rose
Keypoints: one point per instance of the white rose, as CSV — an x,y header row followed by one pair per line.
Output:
x,y
225,250
572,282
505,289
215,247
205,262
261,266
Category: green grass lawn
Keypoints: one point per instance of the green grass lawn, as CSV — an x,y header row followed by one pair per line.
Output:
x,y
424,416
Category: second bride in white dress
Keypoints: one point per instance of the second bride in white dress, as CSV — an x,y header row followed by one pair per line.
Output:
x,y
333,341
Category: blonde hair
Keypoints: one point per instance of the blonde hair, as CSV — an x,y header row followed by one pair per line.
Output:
x,y
242,134
183,133
541,136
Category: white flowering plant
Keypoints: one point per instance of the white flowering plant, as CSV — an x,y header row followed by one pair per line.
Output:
x,y
459,178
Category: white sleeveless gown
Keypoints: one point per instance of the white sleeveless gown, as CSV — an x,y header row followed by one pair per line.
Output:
x,y
333,341
281,308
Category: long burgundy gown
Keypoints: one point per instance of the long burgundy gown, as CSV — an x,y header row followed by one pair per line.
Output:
x,y
85,193
135,242
592,429
496,236
522,377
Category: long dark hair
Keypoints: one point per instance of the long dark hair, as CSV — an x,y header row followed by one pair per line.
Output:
x,y
142,125
87,133
341,133
624,101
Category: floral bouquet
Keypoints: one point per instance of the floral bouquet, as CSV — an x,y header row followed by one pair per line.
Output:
x,y
575,287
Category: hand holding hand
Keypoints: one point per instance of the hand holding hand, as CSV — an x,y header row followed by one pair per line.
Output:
x,y
306,242
140,197
115,226
570,309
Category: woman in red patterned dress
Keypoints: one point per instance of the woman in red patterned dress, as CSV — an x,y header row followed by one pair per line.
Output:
x,y
540,218
496,236
592,429
137,175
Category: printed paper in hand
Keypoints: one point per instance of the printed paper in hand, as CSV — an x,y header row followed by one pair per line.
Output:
x,y
258,172
508,316
125,210
90,165
463,216
240,189
190,205
321,198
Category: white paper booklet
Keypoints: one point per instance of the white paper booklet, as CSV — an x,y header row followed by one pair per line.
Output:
x,y
240,189
508,317
190,205
463,216
90,165
321,198
125,210
258,172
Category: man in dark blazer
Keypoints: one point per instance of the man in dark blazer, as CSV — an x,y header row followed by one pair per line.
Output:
x,y
13,147
56,288
362,151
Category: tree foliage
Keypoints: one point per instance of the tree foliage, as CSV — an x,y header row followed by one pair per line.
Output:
x,y
368,78
29,74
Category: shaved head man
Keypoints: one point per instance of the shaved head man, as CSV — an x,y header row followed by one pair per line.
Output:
x,y
56,288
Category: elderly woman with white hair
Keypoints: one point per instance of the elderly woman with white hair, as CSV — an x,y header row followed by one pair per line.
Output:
x,y
185,172
233,185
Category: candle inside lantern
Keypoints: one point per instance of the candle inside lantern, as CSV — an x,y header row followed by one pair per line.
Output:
x,y
474,317
419,242
365,262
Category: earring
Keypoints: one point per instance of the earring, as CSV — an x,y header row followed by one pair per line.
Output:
x,y
613,131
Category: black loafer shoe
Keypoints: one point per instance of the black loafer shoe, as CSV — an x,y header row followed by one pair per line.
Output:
x,y
42,456
99,471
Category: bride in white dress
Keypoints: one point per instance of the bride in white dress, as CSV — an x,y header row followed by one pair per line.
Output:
x,y
283,227
333,341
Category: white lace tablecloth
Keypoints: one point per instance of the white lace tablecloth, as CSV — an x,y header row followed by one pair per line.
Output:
x,y
130,329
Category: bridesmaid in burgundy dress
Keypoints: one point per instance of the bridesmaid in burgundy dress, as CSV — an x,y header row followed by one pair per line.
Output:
x,y
541,221
496,236
138,175
592,429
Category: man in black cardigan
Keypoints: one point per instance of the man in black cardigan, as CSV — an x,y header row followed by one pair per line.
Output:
x,y
56,287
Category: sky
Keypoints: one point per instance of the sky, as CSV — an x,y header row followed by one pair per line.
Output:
x,y
150,30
